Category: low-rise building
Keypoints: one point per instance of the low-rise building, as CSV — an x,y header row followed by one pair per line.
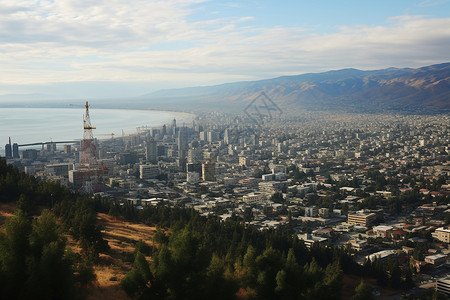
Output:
x,y
443,285
436,259
361,218
382,231
309,239
148,171
254,197
382,255
358,245
442,234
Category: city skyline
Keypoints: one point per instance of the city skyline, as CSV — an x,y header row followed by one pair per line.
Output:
x,y
76,49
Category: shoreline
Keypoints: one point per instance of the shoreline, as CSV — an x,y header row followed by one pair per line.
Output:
x,y
131,130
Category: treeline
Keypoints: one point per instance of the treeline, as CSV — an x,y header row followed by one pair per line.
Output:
x,y
35,261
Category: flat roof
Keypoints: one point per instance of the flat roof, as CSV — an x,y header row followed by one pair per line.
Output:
x,y
436,256
382,228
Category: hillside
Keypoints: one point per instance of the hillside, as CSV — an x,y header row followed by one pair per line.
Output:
x,y
122,238
349,89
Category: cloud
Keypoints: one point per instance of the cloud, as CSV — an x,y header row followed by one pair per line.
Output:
x,y
155,41
427,3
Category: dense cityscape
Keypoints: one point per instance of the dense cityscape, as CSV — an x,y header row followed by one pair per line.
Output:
x,y
376,185
226,150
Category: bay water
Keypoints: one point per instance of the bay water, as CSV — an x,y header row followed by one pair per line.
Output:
x,y
33,125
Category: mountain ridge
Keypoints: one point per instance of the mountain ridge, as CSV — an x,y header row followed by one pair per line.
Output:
x,y
391,88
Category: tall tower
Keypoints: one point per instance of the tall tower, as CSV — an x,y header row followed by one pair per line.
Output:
x,y
15,151
89,169
174,127
8,150
208,171
151,151
182,142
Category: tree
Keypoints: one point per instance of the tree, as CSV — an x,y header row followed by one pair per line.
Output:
x,y
138,279
333,280
362,292
217,285
313,280
289,284
14,248
250,267
34,262
267,264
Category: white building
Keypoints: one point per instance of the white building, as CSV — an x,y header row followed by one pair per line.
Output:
x,y
148,171
442,234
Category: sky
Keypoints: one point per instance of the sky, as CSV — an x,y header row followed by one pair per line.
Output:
x,y
118,48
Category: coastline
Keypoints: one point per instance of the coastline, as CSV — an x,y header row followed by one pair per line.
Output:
x,y
25,127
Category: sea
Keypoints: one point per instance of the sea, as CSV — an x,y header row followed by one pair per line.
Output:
x,y
35,125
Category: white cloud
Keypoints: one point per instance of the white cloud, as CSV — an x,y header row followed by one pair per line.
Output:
x,y
154,41
427,3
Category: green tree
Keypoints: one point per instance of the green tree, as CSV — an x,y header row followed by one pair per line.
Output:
x,y
138,279
217,285
333,280
250,267
34,262
14,248
362,292
313,281
268,264
289,284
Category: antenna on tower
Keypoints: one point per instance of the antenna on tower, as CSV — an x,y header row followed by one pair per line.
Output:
x,y
89,170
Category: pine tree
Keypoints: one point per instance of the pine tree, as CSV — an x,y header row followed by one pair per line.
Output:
x,y
362,292
138,279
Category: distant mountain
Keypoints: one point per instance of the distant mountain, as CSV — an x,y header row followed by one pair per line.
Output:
x,y
25,97
348,89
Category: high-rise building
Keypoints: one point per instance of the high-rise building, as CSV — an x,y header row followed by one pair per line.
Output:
x,y
151,152
182,142
203,135
8,151
67,149
195,155
226,137
193,171
211,136
15,151
51,147
209,171
174,127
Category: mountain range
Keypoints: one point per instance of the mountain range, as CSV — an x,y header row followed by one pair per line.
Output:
x,y
410,90
347,89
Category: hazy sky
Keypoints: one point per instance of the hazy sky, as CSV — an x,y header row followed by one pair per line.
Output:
x,y
107,48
